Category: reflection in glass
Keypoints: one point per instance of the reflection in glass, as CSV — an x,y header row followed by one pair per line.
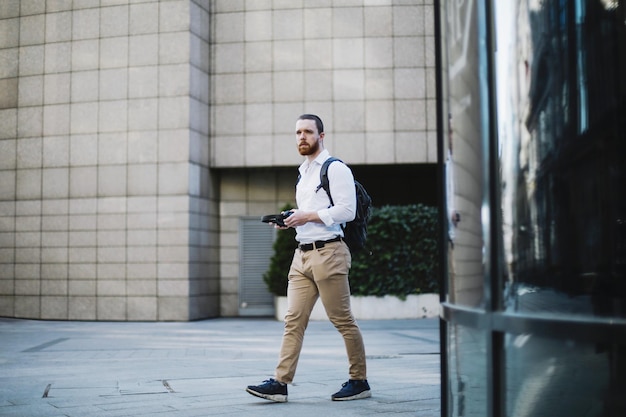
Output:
x,y
468,372
464,157
562,137
561,378
558,196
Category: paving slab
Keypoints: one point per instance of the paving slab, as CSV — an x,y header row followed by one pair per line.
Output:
x,y
78,369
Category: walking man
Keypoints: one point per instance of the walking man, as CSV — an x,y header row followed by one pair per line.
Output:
x,y
320,266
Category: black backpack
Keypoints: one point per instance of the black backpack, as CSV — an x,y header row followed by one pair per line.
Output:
x,y
355,231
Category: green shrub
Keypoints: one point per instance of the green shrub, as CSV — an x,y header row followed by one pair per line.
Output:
x,y
400,259
284,245
401,255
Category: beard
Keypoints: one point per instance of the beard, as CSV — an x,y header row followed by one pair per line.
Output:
x,y
306,149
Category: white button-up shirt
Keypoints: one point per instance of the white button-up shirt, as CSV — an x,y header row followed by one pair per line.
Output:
x,y
342,189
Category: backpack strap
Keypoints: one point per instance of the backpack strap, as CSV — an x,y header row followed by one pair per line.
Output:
x,y
324,183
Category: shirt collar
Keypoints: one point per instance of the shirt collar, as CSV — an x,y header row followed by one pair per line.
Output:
x,y
324,155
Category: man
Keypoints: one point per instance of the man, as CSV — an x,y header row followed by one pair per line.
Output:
x,y
319,267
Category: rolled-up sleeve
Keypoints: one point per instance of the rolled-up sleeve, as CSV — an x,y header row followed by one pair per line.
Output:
x,y
343,193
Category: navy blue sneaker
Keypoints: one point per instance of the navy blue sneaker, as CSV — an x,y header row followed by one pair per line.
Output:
x,y
353,390
270,389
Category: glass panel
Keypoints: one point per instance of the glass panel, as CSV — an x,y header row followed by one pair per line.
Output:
x,y
562,378
562,137
464,154
467,375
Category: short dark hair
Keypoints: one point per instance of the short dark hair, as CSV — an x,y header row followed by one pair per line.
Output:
x,y
318,121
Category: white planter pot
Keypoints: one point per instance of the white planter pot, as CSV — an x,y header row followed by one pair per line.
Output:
x,y
388,307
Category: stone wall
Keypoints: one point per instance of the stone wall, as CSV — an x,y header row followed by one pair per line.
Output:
x,y
106,206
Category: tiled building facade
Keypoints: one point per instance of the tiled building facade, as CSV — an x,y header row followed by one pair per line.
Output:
x,y
135,134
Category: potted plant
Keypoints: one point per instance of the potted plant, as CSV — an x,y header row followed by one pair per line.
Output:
x,y
276,276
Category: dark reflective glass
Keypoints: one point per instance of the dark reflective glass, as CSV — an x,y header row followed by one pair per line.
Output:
x,y
563,378
467,362
556,200
561,72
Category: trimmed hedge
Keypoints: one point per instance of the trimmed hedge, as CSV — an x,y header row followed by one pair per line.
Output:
x,y
401,254
400,257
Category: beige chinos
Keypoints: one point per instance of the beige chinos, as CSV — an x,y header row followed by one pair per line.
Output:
x,y
320,273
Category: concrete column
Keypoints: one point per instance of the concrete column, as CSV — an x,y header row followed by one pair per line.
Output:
x,y
107,209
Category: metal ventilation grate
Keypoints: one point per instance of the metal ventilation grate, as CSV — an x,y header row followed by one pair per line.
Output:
x,y
255,251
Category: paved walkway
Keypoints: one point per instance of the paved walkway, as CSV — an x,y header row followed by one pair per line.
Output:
x,y
80,369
